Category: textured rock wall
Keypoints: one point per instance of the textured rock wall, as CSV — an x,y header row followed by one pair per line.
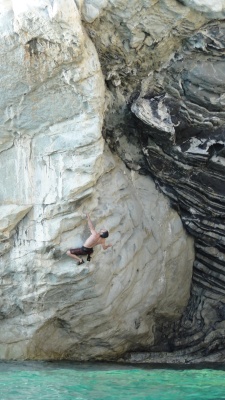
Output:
x,y
55,166
190,166
149,76
167,69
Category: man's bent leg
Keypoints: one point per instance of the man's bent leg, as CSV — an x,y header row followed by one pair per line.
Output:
x,y
74,256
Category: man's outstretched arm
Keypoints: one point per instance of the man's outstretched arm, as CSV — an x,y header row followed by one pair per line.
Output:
x,y
106,246
90,225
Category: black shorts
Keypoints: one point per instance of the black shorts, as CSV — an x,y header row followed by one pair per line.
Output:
x,y
81,251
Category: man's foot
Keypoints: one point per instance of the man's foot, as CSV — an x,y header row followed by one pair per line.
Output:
x,y
81,262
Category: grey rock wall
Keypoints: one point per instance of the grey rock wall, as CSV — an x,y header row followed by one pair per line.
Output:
x,y
190,167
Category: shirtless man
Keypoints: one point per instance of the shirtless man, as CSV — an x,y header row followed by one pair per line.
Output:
x,y
94,239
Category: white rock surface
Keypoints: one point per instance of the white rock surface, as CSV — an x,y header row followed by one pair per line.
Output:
x,y
10,216
213,8
91,9
54,168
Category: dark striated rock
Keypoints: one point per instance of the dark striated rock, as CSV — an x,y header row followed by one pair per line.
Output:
x,y
186,155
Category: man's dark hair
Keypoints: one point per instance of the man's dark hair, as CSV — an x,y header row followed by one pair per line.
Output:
x,y
104,235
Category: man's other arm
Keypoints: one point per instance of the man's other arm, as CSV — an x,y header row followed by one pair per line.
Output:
x,y
106,246
90,225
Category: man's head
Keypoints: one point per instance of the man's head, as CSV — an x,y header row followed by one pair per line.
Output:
x,y
104,233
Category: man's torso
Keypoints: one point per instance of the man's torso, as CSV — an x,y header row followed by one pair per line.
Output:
x,y
93,240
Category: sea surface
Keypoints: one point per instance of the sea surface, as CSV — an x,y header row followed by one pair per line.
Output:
x,y
77,381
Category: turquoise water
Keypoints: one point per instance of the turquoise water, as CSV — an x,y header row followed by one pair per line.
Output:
x,y
65,381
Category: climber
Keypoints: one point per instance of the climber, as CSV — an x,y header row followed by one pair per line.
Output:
x,y
94,239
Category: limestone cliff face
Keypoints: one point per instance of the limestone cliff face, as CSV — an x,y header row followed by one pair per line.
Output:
x,y
97,98
55,166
